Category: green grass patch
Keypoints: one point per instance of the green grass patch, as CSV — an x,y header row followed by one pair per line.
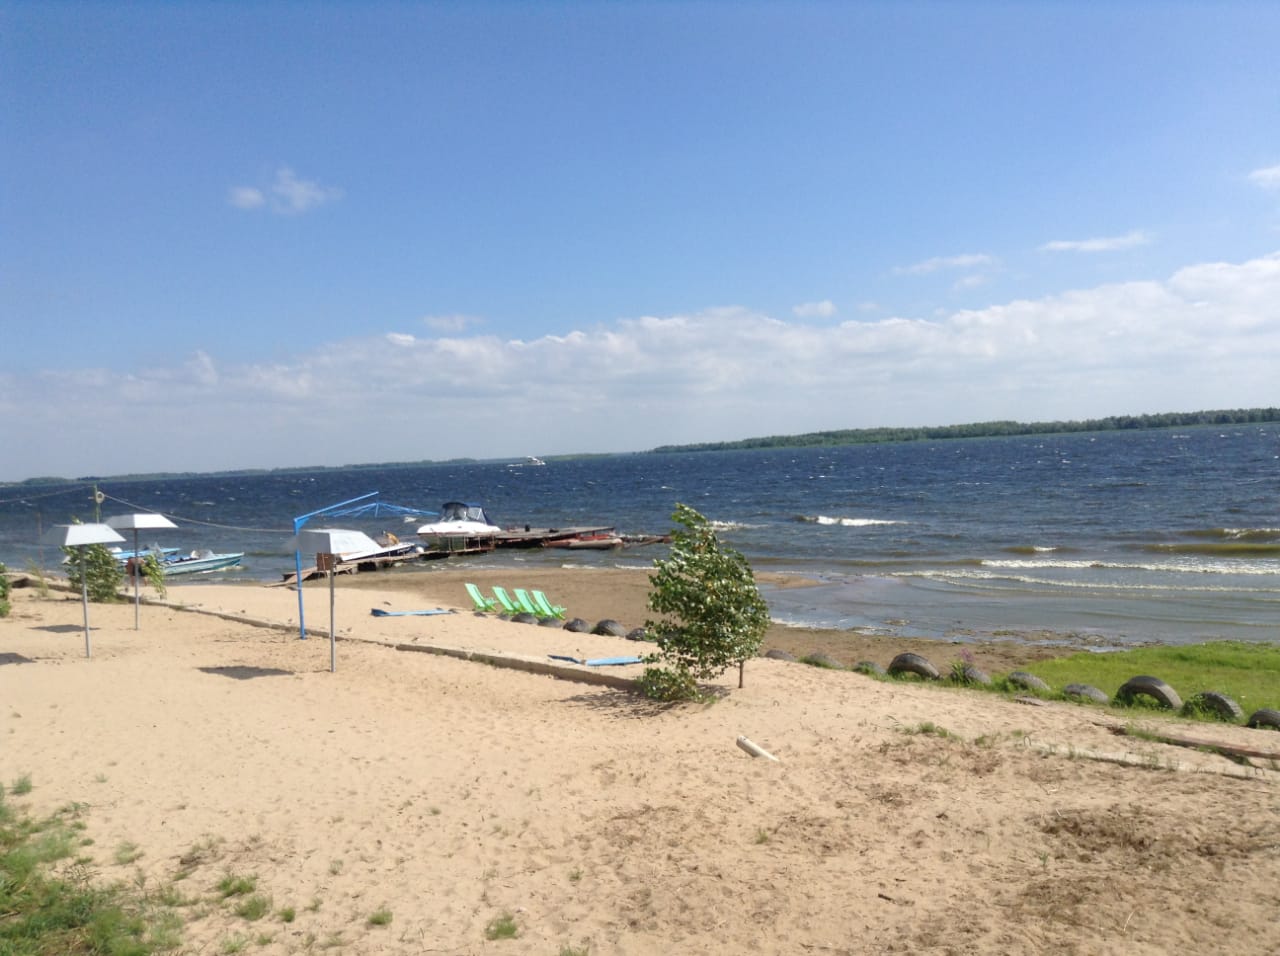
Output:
x,y
502,927
1247,673
67,912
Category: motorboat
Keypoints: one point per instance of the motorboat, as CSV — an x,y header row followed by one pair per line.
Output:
x,y
460,527
198,562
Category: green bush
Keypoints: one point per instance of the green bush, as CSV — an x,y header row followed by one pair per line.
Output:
x,y
714,615
4,592
99,568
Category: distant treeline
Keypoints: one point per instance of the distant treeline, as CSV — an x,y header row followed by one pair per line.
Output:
x,y
864,436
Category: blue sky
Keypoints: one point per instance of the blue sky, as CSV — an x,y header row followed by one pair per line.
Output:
x,y
270,234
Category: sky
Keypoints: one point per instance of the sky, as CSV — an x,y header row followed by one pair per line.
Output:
x,y
260,235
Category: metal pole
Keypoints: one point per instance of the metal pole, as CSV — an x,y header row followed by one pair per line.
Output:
x,y
137,568
84,600
333,634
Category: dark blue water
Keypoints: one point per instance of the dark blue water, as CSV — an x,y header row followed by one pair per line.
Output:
x,y
1112,538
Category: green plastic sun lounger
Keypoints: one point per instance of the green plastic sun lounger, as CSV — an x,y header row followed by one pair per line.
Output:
x,y
546,608
482,603
526,603
505,600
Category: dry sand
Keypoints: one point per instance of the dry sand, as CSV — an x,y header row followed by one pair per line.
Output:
x,y
448,793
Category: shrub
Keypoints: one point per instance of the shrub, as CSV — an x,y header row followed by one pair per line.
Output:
x,y
4,592
714,615
99,568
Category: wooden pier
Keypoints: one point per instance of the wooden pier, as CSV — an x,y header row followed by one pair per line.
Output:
x,y
537,537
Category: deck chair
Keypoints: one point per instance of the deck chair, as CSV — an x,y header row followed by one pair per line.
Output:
x,y
546,608
526,603
505,600
482,603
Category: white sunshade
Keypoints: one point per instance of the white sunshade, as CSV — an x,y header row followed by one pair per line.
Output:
x,y
141,521
333,541
74,535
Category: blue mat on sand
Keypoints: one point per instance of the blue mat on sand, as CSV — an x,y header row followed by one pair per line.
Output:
x,y
597,661
378,612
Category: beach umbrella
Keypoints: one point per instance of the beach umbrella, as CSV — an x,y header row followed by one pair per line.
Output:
x,y
79,536
137,522
328,545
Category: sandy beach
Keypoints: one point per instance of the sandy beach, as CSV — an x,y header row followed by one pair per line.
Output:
x,y
446,793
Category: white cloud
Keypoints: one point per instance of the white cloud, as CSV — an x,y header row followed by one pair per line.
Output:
x,y
287,195
964,261
1268,178
814,310
245,197
451,323
1208,336
1103,244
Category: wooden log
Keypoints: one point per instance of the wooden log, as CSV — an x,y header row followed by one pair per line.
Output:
x,y
1229,750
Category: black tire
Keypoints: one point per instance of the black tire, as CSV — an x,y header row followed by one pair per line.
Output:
x,y
577,625
1211,702
1266,717
1085,692
1027,681
909,663
637,634
548,622
871,668
822,659
523,618
609,628
779,655
1153,687
969,675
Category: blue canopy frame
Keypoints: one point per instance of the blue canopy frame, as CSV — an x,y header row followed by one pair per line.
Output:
x,y
351,508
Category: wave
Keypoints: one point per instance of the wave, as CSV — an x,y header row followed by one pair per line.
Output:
x,y
938,574
844,522
1030,549
1235,534
1225,549
733,526
1173,567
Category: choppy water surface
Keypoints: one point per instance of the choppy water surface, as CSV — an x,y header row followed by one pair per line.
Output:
x,y
1117,537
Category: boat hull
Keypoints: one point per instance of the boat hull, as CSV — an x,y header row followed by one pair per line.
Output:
x,y
199,564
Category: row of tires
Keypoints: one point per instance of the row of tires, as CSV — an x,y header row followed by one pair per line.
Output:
x,y
608,627
1206,703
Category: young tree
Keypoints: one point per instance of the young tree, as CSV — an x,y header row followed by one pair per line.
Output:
x,y
714,615
4,592
101,571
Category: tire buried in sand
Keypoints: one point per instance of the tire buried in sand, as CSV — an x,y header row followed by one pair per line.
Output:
x,y
1217,705
778,654
870,668
1266,717
908,663
1085,692
609,628
1145,685
577,625
1026,681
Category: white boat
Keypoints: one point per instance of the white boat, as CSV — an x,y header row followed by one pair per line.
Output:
x,y
460,527
197,562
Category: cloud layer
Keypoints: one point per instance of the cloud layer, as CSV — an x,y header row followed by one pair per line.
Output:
x,y
1207,336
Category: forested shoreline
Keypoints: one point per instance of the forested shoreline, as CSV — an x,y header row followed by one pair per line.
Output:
x,y
865,436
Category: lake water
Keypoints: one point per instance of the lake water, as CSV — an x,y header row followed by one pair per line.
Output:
x,y
1109,538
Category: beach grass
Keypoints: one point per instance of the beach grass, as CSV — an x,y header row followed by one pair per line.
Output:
x,y
1247,673
65,912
